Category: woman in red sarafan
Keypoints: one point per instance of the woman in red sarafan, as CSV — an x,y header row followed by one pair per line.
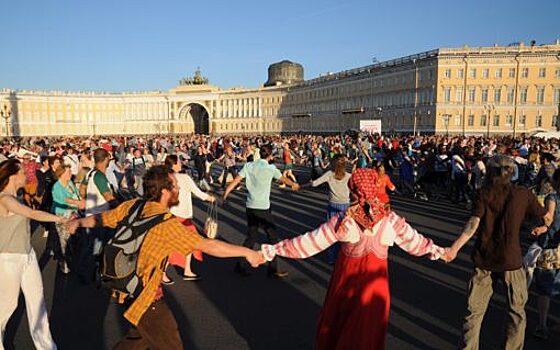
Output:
x,y
355,313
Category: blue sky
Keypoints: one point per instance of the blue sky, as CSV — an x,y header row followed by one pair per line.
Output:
x,y
123,45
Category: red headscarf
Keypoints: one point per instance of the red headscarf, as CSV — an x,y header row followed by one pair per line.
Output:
x,y
363,184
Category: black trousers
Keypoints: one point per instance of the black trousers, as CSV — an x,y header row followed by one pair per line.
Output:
x,y
260,218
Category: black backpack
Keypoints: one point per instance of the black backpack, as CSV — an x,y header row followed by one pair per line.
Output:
x,y
118,265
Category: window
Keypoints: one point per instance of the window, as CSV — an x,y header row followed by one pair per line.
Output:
x,y
459,94
457,120
484,95
510,94
447,73
542,72
461,73
472,73
447,95
482,120
471,120
472,95
523,96
522,120
509,120
497,95
558,73
485,73
540,95
554,120
556,96
538,121
525,73
498,73
496,121
512,72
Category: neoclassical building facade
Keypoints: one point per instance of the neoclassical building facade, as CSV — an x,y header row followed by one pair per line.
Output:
x,y
511,89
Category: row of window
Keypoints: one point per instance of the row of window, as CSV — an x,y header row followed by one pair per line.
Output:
x,y
498,73
96,107
250,126
365,85
497,119
510,94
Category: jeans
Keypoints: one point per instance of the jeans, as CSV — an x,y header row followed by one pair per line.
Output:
x,y
332,210
21,271
481,288
91,246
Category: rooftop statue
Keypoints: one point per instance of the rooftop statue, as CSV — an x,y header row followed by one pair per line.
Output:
x,y
198,79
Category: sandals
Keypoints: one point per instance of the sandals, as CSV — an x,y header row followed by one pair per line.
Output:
x,y
192,278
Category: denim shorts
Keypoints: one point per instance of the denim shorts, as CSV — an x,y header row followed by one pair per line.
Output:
x,y
547,282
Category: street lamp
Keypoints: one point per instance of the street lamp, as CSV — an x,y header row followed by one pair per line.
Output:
x,y
6,114
379,112
415,92
488,109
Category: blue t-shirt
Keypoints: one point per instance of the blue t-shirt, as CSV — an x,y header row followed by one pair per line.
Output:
x,y
60,193
258,176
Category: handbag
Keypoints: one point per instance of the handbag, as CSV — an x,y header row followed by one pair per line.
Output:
x,y
211,223
549,259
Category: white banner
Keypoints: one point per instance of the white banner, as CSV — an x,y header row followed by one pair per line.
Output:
x,y
371,126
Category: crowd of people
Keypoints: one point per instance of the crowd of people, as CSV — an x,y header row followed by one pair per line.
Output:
x,y
83,189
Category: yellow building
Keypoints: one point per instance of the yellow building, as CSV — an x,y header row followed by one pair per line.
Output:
x,y
486,90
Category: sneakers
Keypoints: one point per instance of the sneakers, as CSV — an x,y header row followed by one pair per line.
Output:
x,y
541,333
45,234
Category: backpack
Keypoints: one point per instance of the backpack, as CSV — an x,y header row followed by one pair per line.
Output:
x,y
138,169
119,258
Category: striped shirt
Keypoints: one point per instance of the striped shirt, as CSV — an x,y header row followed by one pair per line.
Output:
x,y
391,230
161,240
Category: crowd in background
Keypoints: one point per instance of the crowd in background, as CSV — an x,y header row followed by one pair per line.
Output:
x,y
426,167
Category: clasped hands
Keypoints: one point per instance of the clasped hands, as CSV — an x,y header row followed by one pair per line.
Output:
x,y
449,255
255,258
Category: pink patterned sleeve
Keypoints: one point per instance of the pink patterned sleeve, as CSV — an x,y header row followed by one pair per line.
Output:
x,y
313,242
413,242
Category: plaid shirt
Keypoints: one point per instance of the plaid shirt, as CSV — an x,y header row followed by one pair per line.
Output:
x,y
161,240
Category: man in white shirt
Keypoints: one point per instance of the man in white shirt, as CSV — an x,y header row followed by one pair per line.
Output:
x,y
71,159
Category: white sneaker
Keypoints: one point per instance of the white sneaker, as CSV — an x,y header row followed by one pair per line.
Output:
x,y
45,234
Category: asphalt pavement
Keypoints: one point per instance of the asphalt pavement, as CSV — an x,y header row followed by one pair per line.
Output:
x,y
226,311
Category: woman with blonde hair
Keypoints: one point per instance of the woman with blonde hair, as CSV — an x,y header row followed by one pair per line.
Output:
x,y
66,203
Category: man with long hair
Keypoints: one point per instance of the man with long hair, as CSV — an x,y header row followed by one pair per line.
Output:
x,y
497,215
